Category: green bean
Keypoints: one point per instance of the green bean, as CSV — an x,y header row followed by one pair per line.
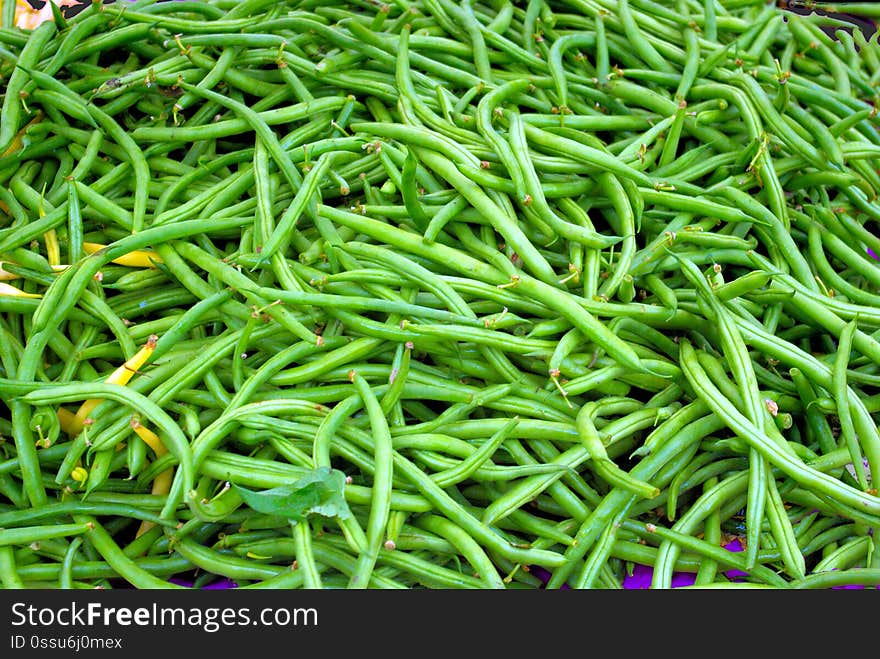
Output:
x,y
9,575
476,528
66,579
505,225
642,46
37,533
63,508
853,576
531,486
743,372
585,154
844,556
603,465
468,547
780,526
37,40
280,236
535,288
179,446
618,499
841,398
466,468
615,190
785,462
224,564
535,195
305,560
125,567
382,482
818,428
549,271
722,556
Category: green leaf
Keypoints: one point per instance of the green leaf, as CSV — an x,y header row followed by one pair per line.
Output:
x,y
320,492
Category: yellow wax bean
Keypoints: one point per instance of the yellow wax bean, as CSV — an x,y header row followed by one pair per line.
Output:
x,y
11,291
162,482
139,258
53,249
120,376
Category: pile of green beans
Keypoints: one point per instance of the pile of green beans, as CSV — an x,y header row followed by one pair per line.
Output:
x,y
560,286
